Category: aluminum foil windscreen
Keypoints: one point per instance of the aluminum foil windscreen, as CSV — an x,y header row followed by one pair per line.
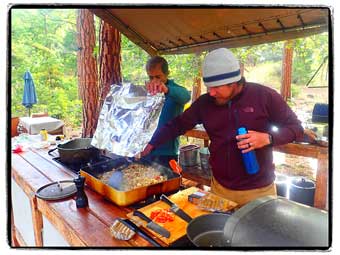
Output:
x,y
127,120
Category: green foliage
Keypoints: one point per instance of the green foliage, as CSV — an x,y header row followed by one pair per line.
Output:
x,y
44,42
308,55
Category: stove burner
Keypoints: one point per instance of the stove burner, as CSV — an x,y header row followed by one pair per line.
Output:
x,y
75,167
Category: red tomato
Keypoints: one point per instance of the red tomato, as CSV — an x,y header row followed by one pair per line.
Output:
x,y
162,215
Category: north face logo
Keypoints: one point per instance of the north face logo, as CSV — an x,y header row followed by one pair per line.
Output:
x,y
248,109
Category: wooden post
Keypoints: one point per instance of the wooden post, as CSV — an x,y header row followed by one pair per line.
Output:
x,y
242,69
287,61
321,194
87,71
196,89
109,59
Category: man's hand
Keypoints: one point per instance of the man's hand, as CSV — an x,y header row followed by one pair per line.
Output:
x,y
253,140
146,150
156,86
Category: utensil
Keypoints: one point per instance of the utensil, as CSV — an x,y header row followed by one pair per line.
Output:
x,y
152,225
175,208
175,166
116,178
121,231
139,231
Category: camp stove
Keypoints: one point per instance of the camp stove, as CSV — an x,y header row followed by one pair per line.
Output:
x,y
102,162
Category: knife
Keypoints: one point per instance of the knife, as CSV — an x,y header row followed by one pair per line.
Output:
x,y
175,209
152,225
142,233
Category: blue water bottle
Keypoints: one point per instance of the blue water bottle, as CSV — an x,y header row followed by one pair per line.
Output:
x,y
249,158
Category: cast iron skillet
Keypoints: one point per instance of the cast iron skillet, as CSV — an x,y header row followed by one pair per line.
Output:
x,y
77,150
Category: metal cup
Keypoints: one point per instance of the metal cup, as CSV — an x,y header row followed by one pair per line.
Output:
x,y
204,158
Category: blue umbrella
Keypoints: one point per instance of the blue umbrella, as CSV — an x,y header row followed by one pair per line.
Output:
x,y
29,98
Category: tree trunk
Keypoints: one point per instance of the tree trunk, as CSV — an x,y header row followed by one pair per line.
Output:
x,y
87,72
109,59
287,63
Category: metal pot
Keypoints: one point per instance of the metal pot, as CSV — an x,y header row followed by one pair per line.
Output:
x,y
302,191
189,155
77,150
207,230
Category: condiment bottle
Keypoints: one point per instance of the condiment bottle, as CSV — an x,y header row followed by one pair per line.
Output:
x,y
43,134
249,158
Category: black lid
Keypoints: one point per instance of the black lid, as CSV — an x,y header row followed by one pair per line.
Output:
x,y
57,190
303,182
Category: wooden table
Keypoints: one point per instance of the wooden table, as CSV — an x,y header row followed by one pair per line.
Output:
x,y
79,227
305,150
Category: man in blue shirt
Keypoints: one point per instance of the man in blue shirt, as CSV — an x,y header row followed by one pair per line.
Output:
x,y
176,97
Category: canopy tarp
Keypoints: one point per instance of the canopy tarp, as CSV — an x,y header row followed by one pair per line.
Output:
x,y
186,30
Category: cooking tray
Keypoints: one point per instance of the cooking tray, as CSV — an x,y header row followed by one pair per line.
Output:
x,y
124,198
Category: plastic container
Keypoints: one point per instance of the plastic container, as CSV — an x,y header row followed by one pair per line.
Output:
x,y
302,191
320,113
249,158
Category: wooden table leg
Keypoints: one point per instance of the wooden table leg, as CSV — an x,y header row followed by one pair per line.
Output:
x,y
321,190
37,222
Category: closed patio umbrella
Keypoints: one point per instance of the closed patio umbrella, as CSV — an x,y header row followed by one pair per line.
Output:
x,y
29,98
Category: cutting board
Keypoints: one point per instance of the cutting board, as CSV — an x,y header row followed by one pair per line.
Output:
x,y
177,228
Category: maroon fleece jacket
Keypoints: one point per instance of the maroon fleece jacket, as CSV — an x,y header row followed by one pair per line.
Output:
x,y
257,108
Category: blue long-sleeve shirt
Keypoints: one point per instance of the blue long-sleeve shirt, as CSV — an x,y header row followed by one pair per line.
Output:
x,y
256,108
175,100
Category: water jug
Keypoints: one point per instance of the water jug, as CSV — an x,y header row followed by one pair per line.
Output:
x,y
249,158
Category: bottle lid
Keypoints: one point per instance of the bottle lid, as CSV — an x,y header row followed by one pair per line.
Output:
x,y
242,131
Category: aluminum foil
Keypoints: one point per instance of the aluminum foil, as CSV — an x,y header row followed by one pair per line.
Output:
x,y
127,120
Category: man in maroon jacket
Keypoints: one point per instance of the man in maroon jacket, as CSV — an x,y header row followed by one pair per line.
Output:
x,y
232,103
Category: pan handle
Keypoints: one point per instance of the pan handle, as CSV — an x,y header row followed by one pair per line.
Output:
x,y
50,151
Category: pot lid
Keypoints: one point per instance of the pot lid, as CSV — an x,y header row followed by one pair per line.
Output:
x,y
57,190
303,182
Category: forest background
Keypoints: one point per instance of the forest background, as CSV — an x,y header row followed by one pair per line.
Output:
x,y
43,41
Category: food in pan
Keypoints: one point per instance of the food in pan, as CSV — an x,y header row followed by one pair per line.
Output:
x,y
138,175
135,176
